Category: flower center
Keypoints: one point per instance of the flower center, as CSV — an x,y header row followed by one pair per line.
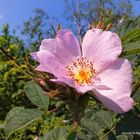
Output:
x,y
81,71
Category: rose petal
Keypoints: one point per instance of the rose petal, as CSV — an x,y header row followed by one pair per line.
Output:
x,y
64,80
49,63
42,68
65,46
118,77
84,89
48,44
67,39
101,47
70,82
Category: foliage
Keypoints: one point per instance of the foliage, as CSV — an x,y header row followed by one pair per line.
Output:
x,y
36,95
95,10
38,27
19,118
33,106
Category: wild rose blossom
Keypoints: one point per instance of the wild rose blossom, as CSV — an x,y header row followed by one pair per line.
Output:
x,y
95,67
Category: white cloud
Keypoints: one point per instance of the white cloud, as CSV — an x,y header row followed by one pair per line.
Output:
x,y
1,16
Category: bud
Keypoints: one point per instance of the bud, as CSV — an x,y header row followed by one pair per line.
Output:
x,y
42,83
36,138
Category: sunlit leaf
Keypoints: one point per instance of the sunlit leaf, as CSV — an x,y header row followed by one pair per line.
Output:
x,y
19,118
56,134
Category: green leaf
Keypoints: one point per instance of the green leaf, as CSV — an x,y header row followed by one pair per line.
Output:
x,y
92,127
131,36
2,65
131,48
72,136
131,52
19,118
95,123
36,95
56,134
104,119
12,71
124,137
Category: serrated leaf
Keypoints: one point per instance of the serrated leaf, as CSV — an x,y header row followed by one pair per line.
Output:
x,y
96,123
12,112
19,118
92,127
36,95
56,134
104,119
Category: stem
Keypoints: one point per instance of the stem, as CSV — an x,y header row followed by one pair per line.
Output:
x,y
111,130
11,58
102,10
55,33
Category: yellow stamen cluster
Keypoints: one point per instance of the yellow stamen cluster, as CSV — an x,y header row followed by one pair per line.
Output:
x,y
81,71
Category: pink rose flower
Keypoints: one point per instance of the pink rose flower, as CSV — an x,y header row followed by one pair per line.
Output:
x,y
94,66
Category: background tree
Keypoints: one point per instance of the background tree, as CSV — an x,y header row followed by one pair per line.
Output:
x,y
80,13
38,27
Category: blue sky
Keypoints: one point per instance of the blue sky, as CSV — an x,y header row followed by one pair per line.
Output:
x,y
15,12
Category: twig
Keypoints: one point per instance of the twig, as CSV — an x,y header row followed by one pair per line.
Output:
x,y
6,53
11,58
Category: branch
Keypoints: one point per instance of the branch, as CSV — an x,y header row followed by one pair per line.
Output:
x,y
10,57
